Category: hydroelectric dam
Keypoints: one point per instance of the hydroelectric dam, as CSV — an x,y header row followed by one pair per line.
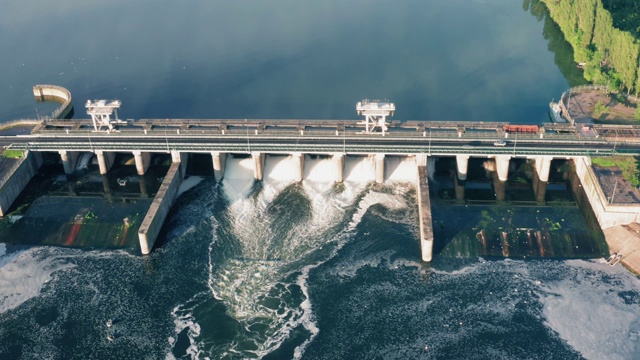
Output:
x,y
375,139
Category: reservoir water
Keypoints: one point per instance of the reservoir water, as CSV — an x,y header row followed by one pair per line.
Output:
x,y
279,270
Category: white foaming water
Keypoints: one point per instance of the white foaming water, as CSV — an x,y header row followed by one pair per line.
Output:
x,y
401,169
319,170
359,169
279,172
238,177
3,249
592,317
23,274
252,285
189,183
184,319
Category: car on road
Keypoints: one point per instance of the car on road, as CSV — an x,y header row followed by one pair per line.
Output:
x,y
500,143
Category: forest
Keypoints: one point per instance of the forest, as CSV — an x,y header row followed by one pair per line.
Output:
x,y
605,37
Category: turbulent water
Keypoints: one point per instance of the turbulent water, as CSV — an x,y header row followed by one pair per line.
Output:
x,y
283,270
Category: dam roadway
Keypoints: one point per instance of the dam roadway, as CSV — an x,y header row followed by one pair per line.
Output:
x,y
344,137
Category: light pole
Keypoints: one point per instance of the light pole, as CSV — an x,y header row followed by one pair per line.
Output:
x,y
166,137
615,186
247,128
344,141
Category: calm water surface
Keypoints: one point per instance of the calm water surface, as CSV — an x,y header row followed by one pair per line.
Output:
x,y
312,270
451,60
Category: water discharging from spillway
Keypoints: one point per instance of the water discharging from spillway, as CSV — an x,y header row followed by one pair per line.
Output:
x,y
271,235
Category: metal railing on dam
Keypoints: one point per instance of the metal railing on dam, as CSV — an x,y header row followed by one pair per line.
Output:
x,y
436,138
322,144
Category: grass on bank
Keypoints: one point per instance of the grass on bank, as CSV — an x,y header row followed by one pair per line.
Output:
x,y
12,154
629,166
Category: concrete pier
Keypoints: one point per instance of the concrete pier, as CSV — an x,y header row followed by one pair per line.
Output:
x,y
105,160
69,160
106,187
258,165
462,164
539,189
219,162
543,166
458,186
502,166
379,168
16,179
299,164
338,160
159,209
143,160
541,177
424,211
500,187
143,186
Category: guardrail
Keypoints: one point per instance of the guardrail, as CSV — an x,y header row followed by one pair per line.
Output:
x,y
20,122
391,149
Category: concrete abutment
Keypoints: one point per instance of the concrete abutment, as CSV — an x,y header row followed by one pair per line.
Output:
x,y
219,162
143,160
258,165
161,205
105,160
424,211
338,160
298,166
380,168
462,165
17,179
69,160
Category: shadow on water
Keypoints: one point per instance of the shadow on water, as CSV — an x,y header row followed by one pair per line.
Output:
x,y
518,226
84,209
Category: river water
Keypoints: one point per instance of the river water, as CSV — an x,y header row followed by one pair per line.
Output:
x,y
279,270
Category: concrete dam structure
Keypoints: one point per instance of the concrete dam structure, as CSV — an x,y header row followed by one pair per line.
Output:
x,y
374,140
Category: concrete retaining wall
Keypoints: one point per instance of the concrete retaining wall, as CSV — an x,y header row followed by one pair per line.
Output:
x,y
55,93
608,215
17,178
424,211
159,209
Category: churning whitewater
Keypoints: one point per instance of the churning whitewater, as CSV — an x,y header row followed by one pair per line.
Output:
x,y
273,236
310,270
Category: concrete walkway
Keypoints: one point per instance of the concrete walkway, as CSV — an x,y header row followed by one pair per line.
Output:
x,y
625,239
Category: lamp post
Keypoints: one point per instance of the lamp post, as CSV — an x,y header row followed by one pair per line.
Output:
x,y
344,141
615,186
247,129
166,138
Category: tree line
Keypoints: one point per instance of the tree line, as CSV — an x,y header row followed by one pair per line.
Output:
x,y
604,36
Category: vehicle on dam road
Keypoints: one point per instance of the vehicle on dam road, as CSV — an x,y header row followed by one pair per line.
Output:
x,y
500,143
